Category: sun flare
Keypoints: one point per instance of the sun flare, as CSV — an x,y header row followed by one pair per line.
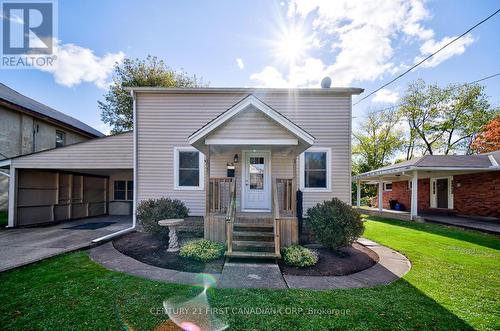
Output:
x,y
292,45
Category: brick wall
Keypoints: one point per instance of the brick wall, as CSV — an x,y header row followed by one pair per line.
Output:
x,y
474,194
478,194
401,193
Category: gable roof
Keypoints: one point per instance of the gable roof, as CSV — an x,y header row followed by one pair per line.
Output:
x,y
251,100
485,161
14,98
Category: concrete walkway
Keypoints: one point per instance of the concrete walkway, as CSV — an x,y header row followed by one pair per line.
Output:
x,y
391,266
21,246
465,222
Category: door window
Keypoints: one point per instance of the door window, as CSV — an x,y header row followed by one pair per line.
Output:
x,y
256,172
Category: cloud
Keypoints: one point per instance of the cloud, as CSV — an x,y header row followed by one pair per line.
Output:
x,y
75,64
269,77
430,46
239,63
386,96
357,40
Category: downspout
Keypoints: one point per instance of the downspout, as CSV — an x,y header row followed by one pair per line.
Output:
x,y
134,202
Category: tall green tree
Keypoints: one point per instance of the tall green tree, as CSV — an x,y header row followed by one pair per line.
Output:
x,y
443,120
116,109
377,141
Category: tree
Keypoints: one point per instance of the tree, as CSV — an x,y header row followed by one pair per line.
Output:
x,y
488,139
116,109
377,141
443,120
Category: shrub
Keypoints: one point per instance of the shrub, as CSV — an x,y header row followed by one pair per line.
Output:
x,y
334,223
202,250
149,212
299,256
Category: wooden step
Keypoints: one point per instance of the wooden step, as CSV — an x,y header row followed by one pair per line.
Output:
x,y
253,225
249,243
253,234
253,255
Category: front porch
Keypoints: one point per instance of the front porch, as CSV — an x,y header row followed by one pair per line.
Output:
x,y
250,182
385,213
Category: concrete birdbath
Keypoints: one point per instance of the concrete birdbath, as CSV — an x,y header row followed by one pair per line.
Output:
x,y
173,244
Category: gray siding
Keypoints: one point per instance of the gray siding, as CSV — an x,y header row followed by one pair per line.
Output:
x,y
165,121
113,152
251,124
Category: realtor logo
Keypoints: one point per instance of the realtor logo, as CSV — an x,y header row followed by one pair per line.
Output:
x,y
28,33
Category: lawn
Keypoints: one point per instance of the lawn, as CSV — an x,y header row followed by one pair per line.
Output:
x,y
453,285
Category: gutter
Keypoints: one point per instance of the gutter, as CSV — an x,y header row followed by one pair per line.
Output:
x,y
134,207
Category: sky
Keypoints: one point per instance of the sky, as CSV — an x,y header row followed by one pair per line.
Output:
x,y
263,43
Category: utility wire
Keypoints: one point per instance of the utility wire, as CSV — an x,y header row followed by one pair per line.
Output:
x,y
402,104
428,57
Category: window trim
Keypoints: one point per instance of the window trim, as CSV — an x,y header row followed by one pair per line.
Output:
x,y
201,175
328,187
126,190
385,187
63,138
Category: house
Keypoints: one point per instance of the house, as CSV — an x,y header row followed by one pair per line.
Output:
x,y
28,126
466,185
233,155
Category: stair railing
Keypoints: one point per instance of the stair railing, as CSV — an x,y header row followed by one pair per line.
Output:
x,y
276,218
230,216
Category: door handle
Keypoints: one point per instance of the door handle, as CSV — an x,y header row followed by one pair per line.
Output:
x,y
246,182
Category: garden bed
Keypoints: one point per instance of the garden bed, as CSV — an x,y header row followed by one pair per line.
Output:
x,y
148,249
347,261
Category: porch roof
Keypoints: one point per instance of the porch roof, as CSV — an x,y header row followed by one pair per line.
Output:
x,y
295,135
435,164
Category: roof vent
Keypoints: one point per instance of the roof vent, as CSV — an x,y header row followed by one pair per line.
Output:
x,y
326,82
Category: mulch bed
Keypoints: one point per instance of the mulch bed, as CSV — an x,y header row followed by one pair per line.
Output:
x,y
148,249
347,261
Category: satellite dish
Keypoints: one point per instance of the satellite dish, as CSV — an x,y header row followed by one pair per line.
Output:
x,y
326,82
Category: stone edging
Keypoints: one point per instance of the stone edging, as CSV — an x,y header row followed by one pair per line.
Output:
x,y
390,267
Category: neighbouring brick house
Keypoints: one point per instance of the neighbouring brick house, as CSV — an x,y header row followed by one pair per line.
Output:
x,y
452,184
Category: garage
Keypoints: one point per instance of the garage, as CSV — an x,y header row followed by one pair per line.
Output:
x,y
88,179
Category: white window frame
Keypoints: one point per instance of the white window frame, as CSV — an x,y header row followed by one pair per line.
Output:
x,y
328,187
385,187
201,182
126,189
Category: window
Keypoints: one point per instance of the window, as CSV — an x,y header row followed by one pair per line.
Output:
x,y
410,184
387,187
124,190
60,138
256,173
188,167
315,169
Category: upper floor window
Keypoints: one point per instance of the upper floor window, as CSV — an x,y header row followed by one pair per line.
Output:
x,y
315,169
60,138
123,190
188,168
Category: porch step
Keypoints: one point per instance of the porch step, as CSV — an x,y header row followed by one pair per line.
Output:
x,y
253,234
253,255
249,243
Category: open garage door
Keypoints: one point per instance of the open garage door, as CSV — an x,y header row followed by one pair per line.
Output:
x,y
52,196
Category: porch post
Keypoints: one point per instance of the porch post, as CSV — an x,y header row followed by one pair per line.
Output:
x,y
358,193
207,183
294,186
380,194
414,196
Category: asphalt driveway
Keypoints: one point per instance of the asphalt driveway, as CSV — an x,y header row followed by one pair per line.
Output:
x,y
22,246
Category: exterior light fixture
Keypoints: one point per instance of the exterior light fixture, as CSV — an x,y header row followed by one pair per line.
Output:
x,y
236,158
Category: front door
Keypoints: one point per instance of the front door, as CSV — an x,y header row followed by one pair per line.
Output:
x,y
442,192
257,182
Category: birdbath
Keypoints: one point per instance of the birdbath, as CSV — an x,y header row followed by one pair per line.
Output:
x,y
173,245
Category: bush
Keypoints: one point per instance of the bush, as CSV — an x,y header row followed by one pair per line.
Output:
x,y
335,224
149,212
299,256
202,250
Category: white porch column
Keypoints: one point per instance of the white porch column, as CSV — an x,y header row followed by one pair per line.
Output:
x,y
358,193
414,195
380,194
12,196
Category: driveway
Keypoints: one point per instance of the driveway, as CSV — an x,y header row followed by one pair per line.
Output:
x,y
22,246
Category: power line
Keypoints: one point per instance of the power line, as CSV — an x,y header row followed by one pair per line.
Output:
x,y
402,104
428,57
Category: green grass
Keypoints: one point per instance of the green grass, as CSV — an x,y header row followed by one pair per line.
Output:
x,y
3,219
453,285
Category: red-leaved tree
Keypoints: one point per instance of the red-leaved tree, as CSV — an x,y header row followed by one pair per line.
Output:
x,y
488,140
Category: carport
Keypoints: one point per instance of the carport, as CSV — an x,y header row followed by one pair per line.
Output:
x,y
88,179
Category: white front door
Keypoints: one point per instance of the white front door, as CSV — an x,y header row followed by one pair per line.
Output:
x,y
256,181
